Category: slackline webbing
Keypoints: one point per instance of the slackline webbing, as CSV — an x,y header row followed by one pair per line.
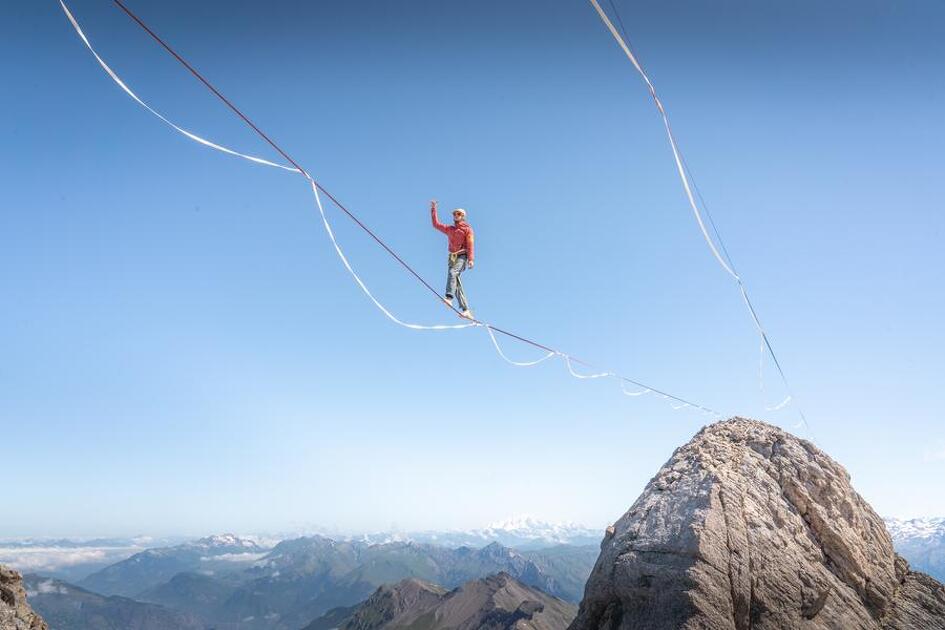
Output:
x,y
688,186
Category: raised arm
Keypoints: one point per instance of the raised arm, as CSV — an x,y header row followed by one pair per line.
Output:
x,y
436,222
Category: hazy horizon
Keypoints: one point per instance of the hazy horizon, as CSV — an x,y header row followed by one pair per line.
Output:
x,y
297,530
145,539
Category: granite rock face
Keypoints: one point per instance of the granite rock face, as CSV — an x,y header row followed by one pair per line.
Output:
x,y
15,612
747,526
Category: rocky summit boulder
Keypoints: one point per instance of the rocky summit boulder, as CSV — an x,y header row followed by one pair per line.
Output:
x,y
748,526
15,612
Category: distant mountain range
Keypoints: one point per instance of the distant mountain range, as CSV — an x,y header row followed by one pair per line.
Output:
x,y
221,553
520,532
227,581
921,541
303,578
73,560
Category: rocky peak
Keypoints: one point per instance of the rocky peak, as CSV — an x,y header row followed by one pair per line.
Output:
x,y
496,602
747,526
15,612
389,602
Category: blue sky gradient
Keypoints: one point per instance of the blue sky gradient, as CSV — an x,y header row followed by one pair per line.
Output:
x,y
183,352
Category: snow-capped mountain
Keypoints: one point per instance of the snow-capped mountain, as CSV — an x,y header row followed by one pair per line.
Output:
x,y
153,566
921,541
913,528
525,527
226,543
522,532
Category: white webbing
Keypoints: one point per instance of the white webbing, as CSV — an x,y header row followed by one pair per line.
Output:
x,y
687,185
672,140
623,388
367,292
498,349
567,360
676,406
194,137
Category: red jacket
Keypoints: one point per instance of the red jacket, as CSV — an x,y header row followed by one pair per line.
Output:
x,y
460,235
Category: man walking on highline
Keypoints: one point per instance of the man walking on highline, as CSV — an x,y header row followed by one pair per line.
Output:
x,y
460,237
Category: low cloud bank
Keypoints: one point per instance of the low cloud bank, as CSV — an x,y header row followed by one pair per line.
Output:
x,y
54,559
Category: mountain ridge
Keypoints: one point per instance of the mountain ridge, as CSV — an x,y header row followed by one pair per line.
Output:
x,y
151,567
495,602
300,579
69,607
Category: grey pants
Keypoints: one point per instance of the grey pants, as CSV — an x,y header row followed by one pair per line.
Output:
x,y
454,285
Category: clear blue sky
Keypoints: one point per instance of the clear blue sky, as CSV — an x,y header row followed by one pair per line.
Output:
x,y
182,352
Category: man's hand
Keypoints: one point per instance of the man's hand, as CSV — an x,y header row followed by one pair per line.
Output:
x,y
433,205
471,264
